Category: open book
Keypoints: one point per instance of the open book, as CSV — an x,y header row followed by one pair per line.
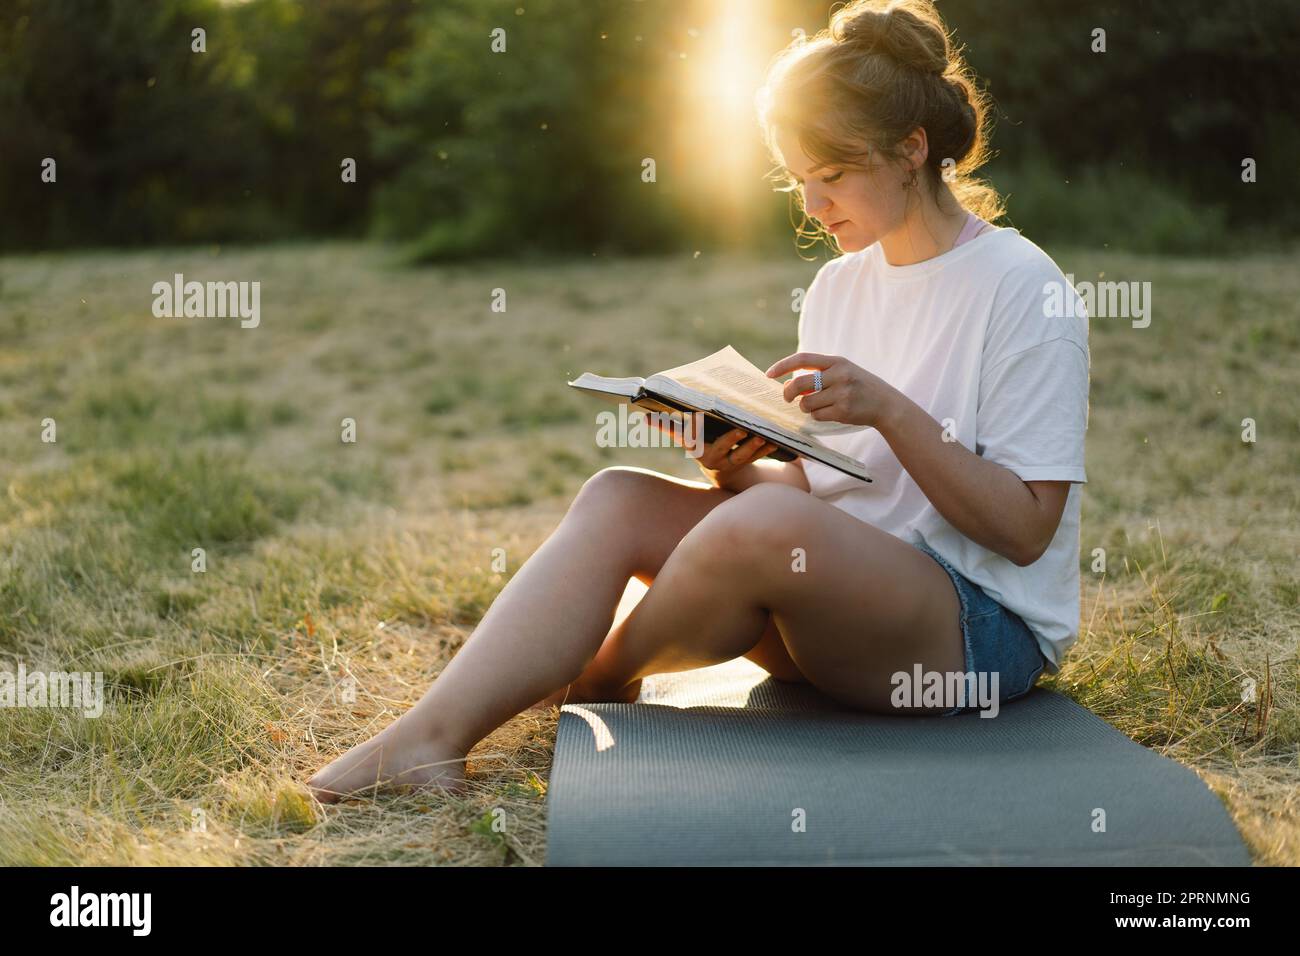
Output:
x,y
732,393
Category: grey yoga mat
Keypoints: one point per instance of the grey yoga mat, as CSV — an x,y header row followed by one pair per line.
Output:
x,y
725,766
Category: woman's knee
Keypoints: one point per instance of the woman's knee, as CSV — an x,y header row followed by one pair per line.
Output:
x,y
611,486
649,511
650,492
764,519
766,513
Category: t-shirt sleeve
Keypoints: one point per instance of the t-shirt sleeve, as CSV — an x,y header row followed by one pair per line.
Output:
x,y
1033,411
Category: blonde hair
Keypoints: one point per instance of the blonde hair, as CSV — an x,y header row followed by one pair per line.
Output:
x,y
881,69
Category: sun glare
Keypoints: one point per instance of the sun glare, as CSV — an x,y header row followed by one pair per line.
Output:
x,y
722,142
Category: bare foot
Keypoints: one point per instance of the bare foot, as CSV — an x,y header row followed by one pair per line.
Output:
x,y
391,760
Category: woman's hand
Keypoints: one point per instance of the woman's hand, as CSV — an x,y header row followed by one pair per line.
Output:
x,y
719,461
849,393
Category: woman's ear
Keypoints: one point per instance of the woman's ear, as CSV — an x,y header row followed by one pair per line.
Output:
x,y
915,147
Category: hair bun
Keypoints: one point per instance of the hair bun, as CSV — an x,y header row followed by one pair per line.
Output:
x,y
881,70
897,33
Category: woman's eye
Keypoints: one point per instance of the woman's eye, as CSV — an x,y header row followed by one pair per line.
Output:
x,y
826,179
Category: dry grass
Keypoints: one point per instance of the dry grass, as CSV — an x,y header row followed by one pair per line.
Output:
x,y
370,562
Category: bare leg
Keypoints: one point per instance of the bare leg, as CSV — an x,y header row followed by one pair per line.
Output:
x,y
605,678
538,636
866,606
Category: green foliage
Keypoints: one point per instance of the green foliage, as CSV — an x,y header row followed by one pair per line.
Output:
x,y
1109,207
1155,128
532,148
158,143
462,151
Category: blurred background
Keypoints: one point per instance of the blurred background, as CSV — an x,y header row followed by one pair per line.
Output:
x,y
462,152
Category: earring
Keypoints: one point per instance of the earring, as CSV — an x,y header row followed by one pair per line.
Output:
x,y
911,182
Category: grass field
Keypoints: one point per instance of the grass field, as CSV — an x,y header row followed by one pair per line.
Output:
x,y
357,569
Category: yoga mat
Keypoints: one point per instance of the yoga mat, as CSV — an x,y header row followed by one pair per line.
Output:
x,y
721,765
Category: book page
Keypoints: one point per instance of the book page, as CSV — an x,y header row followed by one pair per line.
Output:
x,y
627,386
731,377
737,391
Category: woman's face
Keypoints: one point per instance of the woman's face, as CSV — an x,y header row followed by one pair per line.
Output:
x,y
857,206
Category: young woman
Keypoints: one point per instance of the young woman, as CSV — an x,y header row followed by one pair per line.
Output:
x,y
935,329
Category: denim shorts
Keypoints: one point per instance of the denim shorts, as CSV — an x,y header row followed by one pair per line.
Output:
x,y
997,640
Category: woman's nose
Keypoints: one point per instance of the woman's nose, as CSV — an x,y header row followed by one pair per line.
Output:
x,y
813,204
822,215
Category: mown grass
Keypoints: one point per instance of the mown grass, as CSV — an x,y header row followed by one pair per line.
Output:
x,y
341,577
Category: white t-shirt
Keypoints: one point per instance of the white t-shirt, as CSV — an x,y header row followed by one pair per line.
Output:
x,y
971,337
